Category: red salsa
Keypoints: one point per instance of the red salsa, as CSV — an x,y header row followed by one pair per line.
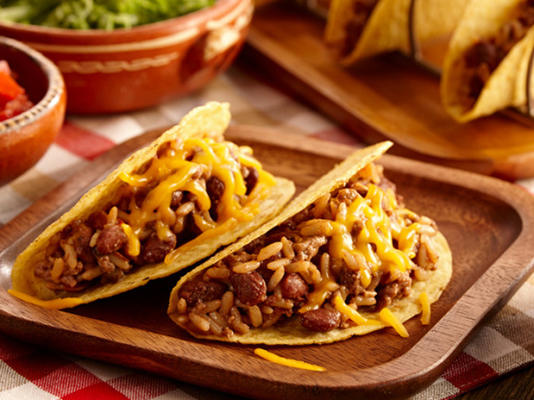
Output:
x,y
13,98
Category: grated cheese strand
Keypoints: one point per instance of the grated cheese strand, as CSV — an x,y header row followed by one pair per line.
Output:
x,y
288,362
351,313
388,318
425,308
134,246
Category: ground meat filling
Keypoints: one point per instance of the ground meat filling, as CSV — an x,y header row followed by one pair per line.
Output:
x,y
361,10
95,250
483,57
274,277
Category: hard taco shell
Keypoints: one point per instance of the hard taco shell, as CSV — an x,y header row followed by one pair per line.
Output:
x,y
210,120
290,332
387,29
507,85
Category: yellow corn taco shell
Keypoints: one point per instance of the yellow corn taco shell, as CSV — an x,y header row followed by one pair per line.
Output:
x,y
290,332
387,28
206,122
507,85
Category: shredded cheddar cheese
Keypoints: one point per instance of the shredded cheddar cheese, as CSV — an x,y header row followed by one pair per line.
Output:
x,y
425,308
176,170
373,248
388,318
267,355
365,277
351,313
65,302
134,246
408,239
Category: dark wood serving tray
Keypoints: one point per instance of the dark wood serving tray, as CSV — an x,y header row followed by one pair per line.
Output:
x,y
385,97
488,223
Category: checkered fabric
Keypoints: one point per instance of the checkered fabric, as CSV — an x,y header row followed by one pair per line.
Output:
x,y
27,372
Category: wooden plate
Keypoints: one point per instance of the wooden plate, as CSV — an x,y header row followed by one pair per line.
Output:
x,y
386,97
489,224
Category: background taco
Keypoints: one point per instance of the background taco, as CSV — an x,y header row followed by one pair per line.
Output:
x,y
164,208
486,67
364,28
344,258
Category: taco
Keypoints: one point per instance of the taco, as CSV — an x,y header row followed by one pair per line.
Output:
x,y
364,28
344,258
487,65
317,7
164,208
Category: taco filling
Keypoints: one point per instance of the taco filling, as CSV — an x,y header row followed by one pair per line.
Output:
x,y
355,249
361,12
485,55
191,188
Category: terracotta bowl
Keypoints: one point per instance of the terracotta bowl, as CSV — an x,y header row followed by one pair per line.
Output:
x,y
128,69
25,137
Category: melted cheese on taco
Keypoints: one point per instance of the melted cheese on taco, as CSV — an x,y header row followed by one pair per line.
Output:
x,y
340,263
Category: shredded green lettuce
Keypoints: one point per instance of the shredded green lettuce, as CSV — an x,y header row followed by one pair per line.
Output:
x,y
96,14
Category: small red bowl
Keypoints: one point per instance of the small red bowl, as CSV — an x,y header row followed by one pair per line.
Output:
x,y
127,69
25,137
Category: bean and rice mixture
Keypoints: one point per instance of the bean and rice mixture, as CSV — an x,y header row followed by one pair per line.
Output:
x,y
298,269
100,249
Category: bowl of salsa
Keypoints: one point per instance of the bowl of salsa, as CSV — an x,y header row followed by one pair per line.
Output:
x,y
32,107
13,97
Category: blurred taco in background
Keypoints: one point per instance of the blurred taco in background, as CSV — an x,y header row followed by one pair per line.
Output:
x,y
344,258
487,65
317,7
166,207
364,28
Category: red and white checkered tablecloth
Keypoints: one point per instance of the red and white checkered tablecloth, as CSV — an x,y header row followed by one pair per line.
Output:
x,y
504,343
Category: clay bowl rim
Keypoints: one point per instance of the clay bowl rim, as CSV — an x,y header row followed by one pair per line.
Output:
x,y
122,35
51,98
